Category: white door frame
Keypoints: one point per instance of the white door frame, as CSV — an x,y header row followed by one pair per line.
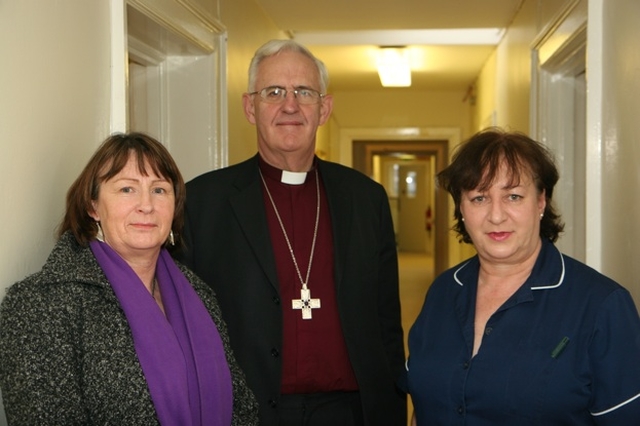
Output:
x,y
560,51
187,108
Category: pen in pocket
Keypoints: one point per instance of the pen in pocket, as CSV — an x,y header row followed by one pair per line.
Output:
x,y
560,347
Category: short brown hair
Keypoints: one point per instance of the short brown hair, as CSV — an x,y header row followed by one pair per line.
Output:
x,y
477,161
110,158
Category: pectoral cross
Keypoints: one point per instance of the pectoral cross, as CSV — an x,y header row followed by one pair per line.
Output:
x,y
305,303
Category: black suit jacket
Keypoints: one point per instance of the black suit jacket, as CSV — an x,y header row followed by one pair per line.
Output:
x,y
228,246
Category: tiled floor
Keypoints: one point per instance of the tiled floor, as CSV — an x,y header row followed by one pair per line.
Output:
x,y
416,275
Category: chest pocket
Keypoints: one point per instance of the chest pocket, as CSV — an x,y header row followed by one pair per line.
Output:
x,y
530,375
533,376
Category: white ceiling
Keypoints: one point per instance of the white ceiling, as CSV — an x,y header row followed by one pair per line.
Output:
x,y
352,66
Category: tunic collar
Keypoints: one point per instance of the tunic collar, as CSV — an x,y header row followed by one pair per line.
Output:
x,y
547,274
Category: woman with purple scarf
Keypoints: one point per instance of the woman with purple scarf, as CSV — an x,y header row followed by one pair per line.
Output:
x,y
112,331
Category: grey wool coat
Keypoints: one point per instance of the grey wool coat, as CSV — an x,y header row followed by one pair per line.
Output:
x,y
66,350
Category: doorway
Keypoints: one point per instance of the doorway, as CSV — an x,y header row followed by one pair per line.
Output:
x,y
408,182
560,119
413,205
168,79
407,171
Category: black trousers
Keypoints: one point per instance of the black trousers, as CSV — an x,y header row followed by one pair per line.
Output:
x,y
321,409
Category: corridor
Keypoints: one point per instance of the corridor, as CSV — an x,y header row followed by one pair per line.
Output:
x,y
416,275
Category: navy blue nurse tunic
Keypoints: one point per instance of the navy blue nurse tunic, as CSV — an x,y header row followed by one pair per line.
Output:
x,y
563,350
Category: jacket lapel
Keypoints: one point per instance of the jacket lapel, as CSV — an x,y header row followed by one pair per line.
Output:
x,y
340,209
248,207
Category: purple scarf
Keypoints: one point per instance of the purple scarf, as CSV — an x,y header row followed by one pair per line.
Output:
x,y
181,355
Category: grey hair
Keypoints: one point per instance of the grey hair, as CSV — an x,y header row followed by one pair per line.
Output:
x,y
274,47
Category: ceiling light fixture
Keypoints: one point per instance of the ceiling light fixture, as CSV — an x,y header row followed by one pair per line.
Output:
x,y
393,66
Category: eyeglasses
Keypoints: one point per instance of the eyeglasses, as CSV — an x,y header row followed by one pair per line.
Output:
x,y
276,95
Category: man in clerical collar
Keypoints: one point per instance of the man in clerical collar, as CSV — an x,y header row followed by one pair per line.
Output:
x,y
302,255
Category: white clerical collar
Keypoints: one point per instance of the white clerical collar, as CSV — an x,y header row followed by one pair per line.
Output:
x,y
293,178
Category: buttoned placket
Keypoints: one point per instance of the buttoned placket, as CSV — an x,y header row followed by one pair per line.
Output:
x,y
465,308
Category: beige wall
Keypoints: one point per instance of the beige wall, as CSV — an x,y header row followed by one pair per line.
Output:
x,y
484,106
54,109
248,28
513,71
401,108
620,142
503,87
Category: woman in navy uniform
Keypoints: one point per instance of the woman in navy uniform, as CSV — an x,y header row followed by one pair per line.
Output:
x,y
520,334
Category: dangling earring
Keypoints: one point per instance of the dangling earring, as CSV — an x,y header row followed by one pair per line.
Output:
x,y
541,216
463,219
172,240
99,234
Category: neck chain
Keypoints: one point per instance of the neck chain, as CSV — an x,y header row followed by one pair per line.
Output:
x,y
305,303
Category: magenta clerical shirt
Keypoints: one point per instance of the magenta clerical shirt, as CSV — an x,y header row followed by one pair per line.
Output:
x,y
314,353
